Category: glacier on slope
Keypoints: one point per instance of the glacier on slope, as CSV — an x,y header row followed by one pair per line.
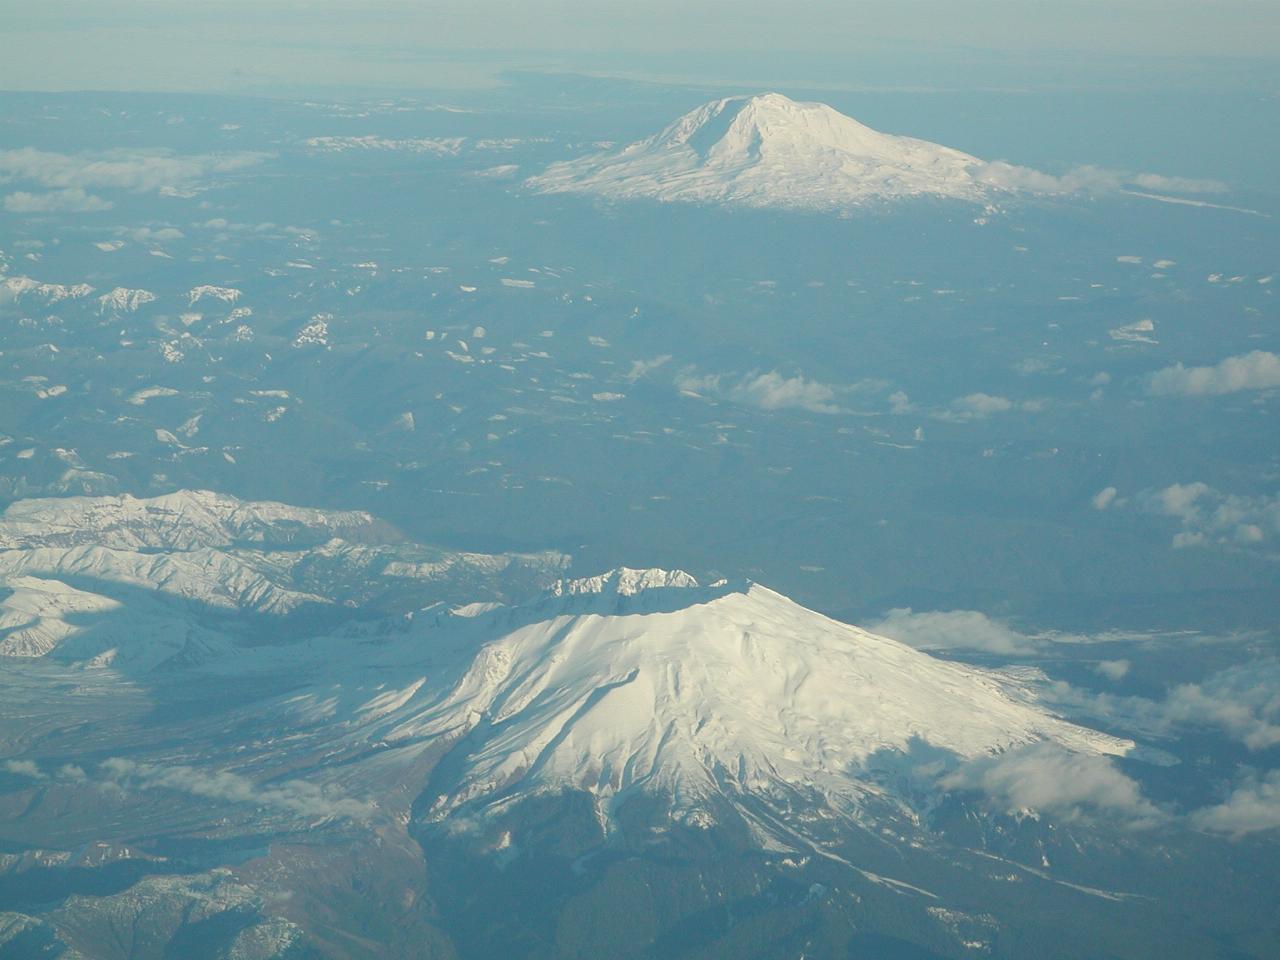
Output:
x,y
771,151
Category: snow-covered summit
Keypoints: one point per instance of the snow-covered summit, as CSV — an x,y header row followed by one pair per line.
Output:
x,y
769,150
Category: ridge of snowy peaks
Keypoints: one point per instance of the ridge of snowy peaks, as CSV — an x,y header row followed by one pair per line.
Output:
x,y
124,300
16,288
622,582
81,571
769,150
737,692
184,520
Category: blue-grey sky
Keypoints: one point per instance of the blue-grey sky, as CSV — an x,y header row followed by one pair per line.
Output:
x,y
239,45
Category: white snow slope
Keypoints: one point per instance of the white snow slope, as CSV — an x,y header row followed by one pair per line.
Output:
x,y
770,151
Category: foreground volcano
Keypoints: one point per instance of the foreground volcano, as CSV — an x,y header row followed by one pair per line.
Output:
x,y
644,683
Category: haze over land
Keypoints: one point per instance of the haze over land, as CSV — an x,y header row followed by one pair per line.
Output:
x,y
720,505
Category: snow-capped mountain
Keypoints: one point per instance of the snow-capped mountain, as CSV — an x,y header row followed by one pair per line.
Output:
x,y
770,151
644,684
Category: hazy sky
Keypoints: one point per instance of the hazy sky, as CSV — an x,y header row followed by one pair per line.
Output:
x,y
241,45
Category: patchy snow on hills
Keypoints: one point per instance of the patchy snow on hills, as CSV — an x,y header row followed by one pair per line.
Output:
x,y
768,150
225,294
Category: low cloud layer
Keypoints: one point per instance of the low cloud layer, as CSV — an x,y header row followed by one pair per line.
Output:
x,y
1258,370
69,178
1050,780
1243,702
70,200
766,391
1090,179
292,796
22,768
1104,498
642,368
1240,702
1209,516
978,406
1254,805
953,630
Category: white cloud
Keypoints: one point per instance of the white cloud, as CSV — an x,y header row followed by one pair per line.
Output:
x,y
1163,184
982,404
978,406
266,227
1047,779
1088,179
151,234
1104,498
294,796
1258,370
1114,670
1253,806
773,391
69,200
1008,176
640,368
768,391
1136,332
1242,701
1209,516
953,630
140,171
1179,499
23,768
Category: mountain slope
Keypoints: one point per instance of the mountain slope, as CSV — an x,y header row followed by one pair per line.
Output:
x,y
770,151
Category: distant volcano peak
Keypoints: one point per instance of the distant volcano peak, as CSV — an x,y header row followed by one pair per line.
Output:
x,y
767,150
